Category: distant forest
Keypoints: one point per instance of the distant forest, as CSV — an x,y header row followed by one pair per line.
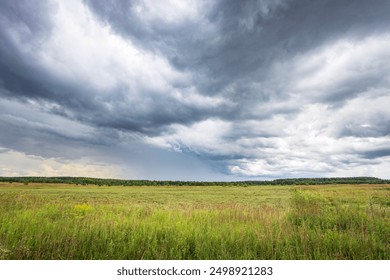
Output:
x,y
118,182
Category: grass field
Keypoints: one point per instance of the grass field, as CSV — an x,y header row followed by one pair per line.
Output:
x,y
57,221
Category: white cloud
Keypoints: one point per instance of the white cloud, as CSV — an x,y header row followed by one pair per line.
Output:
x,y
279,166
307,143
377,169
169,11
318,138
344,64
190,97
365,116
310,143
205,136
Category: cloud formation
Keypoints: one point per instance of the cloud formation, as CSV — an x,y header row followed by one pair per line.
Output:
x,y
220,90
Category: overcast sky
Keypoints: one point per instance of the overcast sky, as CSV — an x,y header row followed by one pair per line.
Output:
x,y
195,90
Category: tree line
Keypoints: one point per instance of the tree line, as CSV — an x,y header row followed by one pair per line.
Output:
x,y
119,182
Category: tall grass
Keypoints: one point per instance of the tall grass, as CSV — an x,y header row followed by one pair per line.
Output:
x,y
68,222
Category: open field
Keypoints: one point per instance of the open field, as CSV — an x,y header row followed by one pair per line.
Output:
x,y
63,221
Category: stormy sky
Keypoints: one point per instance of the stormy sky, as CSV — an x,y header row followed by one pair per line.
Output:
x,y
195,90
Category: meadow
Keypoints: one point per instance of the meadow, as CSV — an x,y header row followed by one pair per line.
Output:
x,y
69,221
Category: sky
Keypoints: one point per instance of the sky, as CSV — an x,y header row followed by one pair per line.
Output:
x,y
195,90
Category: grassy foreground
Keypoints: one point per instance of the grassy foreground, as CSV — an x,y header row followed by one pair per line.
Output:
x,y
58,221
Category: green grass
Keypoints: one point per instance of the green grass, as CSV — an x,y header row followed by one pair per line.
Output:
x,y
58,221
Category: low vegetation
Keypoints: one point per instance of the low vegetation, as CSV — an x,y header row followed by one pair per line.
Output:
x,y
69,221
117,182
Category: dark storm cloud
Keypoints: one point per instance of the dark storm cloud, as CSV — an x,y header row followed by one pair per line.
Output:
x,y
32,18
28,24
251,88
28,20
235,42
374,154
292,28
22,77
